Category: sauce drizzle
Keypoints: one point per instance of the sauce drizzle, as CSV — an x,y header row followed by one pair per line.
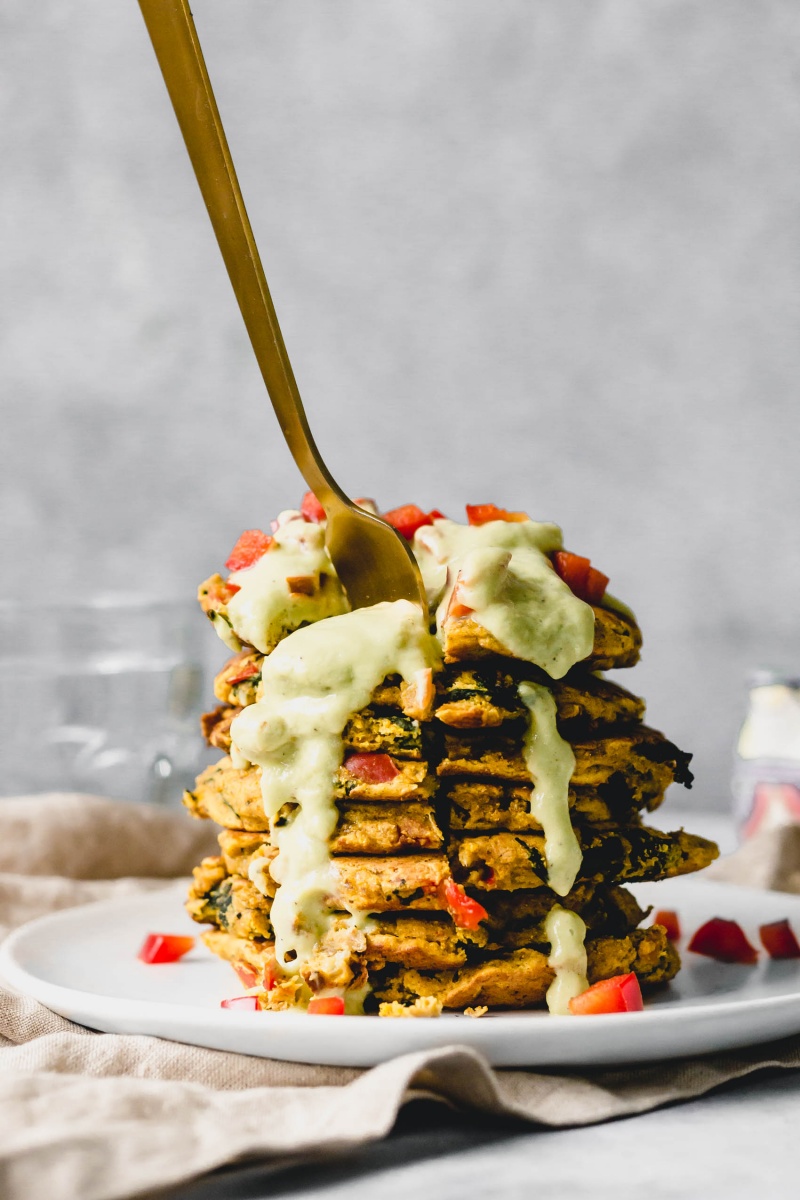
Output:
x,y
566,933
550,762
312,683
503,573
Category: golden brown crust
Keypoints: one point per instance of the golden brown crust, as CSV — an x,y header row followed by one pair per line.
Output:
x,y
521,979
233,904
395,884
232,798
236,685
477,804
617,641
640,763
484,696
386,828
511,862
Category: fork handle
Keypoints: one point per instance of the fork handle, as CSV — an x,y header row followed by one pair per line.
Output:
x,y
175,41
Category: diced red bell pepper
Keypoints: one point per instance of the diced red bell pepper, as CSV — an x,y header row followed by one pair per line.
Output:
x,y
725,941
480,514
573,569
580,576
331,1006
252,545
435,515
246,973
778,940
219,591
270,977
418,695
246,673
248,1003
456,606
596,586
669,920
619,994
466,912
407,519
371,768
164,947
311,508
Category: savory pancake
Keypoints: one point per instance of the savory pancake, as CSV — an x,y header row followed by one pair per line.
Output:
x,y
639,763
516,919
232,796
617,640
232,903
482,805
435,849
485,696
521,979
429,942
512,918
510,861
367,732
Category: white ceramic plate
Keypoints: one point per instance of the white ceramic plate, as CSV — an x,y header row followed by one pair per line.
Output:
x,y
82,964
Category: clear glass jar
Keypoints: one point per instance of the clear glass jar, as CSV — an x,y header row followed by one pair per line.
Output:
x,y
766,776
101,695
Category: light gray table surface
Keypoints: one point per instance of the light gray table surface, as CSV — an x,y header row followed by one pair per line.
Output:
x,y
736,1142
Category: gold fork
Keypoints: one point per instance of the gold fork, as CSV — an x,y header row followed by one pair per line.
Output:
x,y
372,560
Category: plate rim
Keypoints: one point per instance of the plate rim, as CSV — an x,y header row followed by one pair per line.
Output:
x,y
15,973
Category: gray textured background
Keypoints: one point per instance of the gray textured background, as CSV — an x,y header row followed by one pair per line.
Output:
x,y
541,252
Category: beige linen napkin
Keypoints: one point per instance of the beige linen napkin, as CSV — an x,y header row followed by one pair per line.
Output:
x,y
89,1116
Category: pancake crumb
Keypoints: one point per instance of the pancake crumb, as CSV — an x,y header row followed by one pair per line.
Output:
x,y
480,1010
423,1006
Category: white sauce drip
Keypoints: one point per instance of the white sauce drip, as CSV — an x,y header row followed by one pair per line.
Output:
x,y
264,610
566,933
504,575
312,683
550,762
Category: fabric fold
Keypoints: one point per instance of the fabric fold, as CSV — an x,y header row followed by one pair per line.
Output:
x,y
93,1116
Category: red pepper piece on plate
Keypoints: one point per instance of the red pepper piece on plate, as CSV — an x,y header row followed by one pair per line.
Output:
x,y
669,921
778,940
252,545
331,1006
407,519
311,508
248,1003
371,768
466,912
246,974
620,994
164,947
725,941
480,514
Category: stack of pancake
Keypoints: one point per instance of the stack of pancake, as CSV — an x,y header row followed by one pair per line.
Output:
x,y
438,868
388,849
